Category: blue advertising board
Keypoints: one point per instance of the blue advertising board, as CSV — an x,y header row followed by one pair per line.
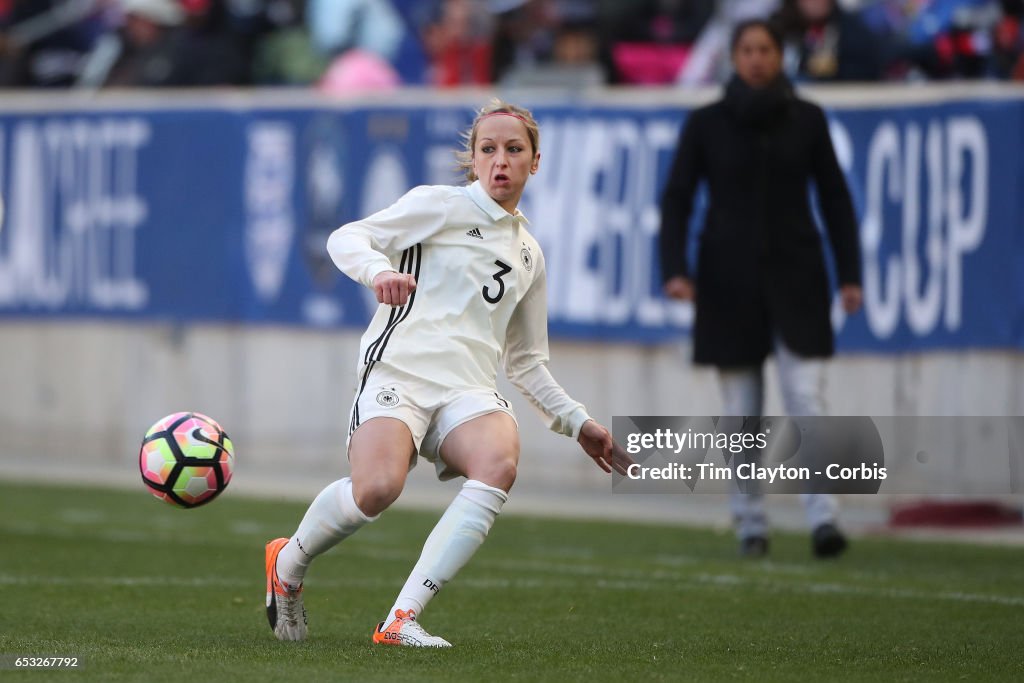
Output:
x,y
221,214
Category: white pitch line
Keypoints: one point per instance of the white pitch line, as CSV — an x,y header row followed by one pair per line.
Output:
x,y
731,581
603,576
683,584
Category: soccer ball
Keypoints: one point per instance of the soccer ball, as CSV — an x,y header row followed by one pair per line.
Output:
x,y
186,459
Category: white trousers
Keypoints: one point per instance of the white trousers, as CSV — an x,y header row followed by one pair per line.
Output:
x,y
802,381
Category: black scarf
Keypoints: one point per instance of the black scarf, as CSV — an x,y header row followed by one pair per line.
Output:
x,y
759,107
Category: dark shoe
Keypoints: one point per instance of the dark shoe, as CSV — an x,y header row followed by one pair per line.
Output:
x,y
753,546
828,541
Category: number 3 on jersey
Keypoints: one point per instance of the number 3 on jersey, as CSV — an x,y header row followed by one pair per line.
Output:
x,y
505,269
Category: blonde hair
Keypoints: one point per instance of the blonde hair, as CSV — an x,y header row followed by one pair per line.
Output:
x,y
495,106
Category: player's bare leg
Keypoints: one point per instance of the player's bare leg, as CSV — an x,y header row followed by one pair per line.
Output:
x,y
379,454
485,450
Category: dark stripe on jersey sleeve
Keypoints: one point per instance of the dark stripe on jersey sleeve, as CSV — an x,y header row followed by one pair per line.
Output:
x,y
417,257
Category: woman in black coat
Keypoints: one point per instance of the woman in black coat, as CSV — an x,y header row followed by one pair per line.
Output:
x,y
761,279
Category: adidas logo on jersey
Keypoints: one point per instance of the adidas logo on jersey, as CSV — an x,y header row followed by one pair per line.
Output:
x,y
475,232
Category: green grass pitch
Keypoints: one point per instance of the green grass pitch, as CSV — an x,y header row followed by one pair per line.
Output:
x,y
144,592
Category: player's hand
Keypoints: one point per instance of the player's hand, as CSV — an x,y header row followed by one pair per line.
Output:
x,y
393,288
621,460
852,297
680,288
597,442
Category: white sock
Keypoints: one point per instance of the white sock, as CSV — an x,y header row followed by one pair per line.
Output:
x,y
461,530
332,517
821,508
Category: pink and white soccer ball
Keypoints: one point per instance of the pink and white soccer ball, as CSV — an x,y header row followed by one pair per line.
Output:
x,y
186,459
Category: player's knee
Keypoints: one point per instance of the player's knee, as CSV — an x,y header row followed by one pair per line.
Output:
x,y
376,495
497,472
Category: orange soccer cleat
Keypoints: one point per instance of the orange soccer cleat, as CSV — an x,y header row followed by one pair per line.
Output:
x,y
285,612
406,631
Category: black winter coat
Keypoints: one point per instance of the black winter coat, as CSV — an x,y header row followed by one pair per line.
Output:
x,y
760,269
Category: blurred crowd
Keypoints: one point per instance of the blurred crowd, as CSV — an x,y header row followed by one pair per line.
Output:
x,y
344,45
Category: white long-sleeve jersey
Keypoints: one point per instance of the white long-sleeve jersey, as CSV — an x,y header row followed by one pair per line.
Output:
x,y
480,298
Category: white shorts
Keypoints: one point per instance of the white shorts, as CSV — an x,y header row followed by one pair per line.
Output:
x,y
430,410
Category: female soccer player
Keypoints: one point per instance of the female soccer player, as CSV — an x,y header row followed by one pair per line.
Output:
x,y
462,286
